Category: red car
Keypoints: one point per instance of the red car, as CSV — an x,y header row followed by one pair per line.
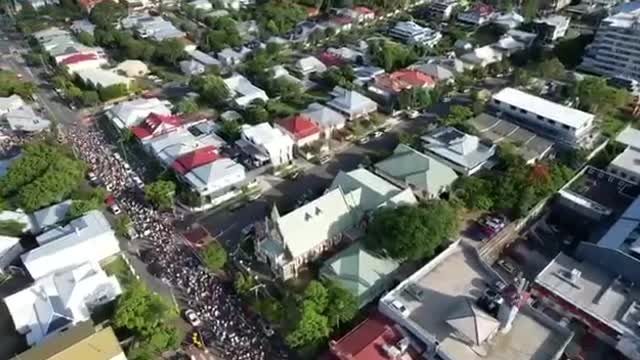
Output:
x,y
492,225
112,204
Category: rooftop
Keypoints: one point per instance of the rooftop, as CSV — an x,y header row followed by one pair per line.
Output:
x,y
629,160
156,124
450,283
50,215
104,78
264,134
324,116
351,101
203,176
629,136
130,113
626,18
299,126
457,147
196,158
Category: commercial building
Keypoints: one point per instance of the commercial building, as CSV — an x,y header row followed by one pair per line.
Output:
x,y
266,144
449,307
412,33
81,341
615,50
60,300
558,122
462,152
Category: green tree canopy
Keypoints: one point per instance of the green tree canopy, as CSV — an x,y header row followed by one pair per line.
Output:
x,y
107,13
214,256
161,193
86,38
597,97
11,228
458,114
390,55
552,69
113,92
279,17
10,84
170,52
187,106
410,232
211,88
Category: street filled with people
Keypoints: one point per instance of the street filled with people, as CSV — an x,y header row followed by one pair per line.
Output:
x,y
225,326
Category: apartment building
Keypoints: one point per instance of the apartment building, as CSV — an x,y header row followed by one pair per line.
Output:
x,y
561,123
615,50
411,33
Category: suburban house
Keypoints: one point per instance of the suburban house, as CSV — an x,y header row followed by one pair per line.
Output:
x,y
427,177
462,152
95,342
358,14
151,27
309,65
364,274
80,61
326,118
88,238
100,78
482,57
442,9
203,58
300,128
288,242
46,218
82,25
626,165
552,27
155,125
566,125
351,103
266,144
24,120
10,103
133,112
230,57
243,92
132,68
389,86
364,74
411,33
192,67
53,304
508,21
479,15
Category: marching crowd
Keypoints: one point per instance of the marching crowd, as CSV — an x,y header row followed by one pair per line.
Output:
x,y
224,325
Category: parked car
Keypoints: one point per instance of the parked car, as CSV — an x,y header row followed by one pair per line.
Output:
x,y
377,134
92,178
113,205
363,140
492,225
192,318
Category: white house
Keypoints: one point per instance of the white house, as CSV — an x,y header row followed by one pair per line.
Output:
x,y
271,145
10,103
243,91
133,68
326,118
192,67
310,65
411,33
482,57
351,103
462,152
133,112
86,239
100,78
479,15
58,301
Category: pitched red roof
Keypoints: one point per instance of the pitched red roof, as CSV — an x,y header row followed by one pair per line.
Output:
x,y
366,341
484,9
88,4
78,58
330,59
196,158
153,122
363,10
414,77
300,126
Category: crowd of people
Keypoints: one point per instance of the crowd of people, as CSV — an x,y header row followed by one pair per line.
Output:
x,y
225,326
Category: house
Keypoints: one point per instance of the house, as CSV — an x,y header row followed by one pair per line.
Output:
x,y
44,219
508,46
192,67
82,25
155,125
280,72
309,65
482,57
132,112
230,57
11,103
478,15
266,144
132,68
304,30
442,10
561,123
39,3
10,250
508,21
427,177
215,176
626,165
351,103
376,338
364,274
552,27
204,5
358,14
348,55
364,74
87,5
294,239
83,338
389,86
53,304
78,61
86,239
326,118
243,92
453,317
437,72
153,27
411,33
25,120
100,78
300,128
462,152
203,58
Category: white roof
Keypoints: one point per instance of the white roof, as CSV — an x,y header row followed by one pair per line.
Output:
x,y
25,119
18,216
104,78
629,160
133,67
12,102
130,113
50,215
6,244
266,135
548,109
324,116
314,223
60,300
245,91
351,101
86,239
190,67
629,136
213,173
203,58
311,63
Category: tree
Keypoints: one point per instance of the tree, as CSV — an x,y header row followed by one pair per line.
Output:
x,y
79,208
552,69
86,38
280,17
475,192
11,228
596,96
113,92
521,77
458,114
316,296
256,113
211,89
409,232
122,225
89,98
342,305
170,52
105,14
10,84
338,76
230,130
530,10
187,106
214,256
244,283
160,193
310,329
390,55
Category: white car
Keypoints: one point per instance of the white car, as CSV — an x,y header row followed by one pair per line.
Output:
x,y
363,140
192,318
136,180
399,307
377,134
115,209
